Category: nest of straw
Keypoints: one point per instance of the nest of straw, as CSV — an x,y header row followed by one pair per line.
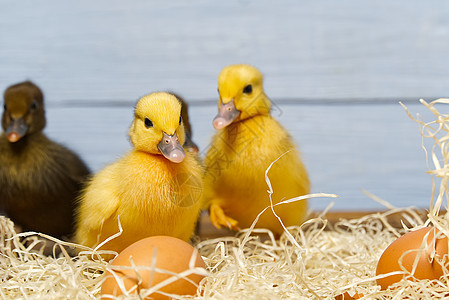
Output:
x,y
316,260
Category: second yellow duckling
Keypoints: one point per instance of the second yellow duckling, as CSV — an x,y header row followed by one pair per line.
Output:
x,y
154,190
248,141
189,144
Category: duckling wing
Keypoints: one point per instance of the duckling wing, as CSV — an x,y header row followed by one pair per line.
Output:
x,y
235,186
98,203
75,168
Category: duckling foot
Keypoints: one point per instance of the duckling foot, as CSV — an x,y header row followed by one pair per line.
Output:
x,y
218,218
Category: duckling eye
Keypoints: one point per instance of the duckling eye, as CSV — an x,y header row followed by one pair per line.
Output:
x,y
180,120
4,106
148,123
34,105
248,89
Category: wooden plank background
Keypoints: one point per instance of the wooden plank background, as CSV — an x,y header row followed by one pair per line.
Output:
x,y
346,147
334,69
116,50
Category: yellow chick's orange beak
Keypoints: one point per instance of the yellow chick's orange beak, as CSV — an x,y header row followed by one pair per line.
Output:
x,y
227,112
171,148
16,130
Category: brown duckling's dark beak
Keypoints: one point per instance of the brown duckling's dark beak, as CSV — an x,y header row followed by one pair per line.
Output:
x,y
171,148
227,113
16,130
189,145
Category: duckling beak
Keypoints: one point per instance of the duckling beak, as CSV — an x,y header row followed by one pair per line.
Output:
x,y
227,113
16,130
171,148
190,145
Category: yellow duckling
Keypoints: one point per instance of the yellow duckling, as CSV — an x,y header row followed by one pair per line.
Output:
x,y
248,141
39,179
153,190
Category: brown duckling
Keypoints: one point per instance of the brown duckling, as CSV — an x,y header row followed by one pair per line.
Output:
x,y
39,179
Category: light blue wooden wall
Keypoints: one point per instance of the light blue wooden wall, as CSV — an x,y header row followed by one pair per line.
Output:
x,y
321,60
115,50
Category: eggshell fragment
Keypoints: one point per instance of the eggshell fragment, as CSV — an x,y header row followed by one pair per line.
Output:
x,y
431,254
166,253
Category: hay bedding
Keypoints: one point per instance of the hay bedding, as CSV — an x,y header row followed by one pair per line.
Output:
x,y
314,261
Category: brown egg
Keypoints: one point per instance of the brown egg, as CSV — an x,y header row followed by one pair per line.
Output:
x,y
430,260
172,255
346,296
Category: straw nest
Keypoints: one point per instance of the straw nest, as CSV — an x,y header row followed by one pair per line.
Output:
x,y
314,261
